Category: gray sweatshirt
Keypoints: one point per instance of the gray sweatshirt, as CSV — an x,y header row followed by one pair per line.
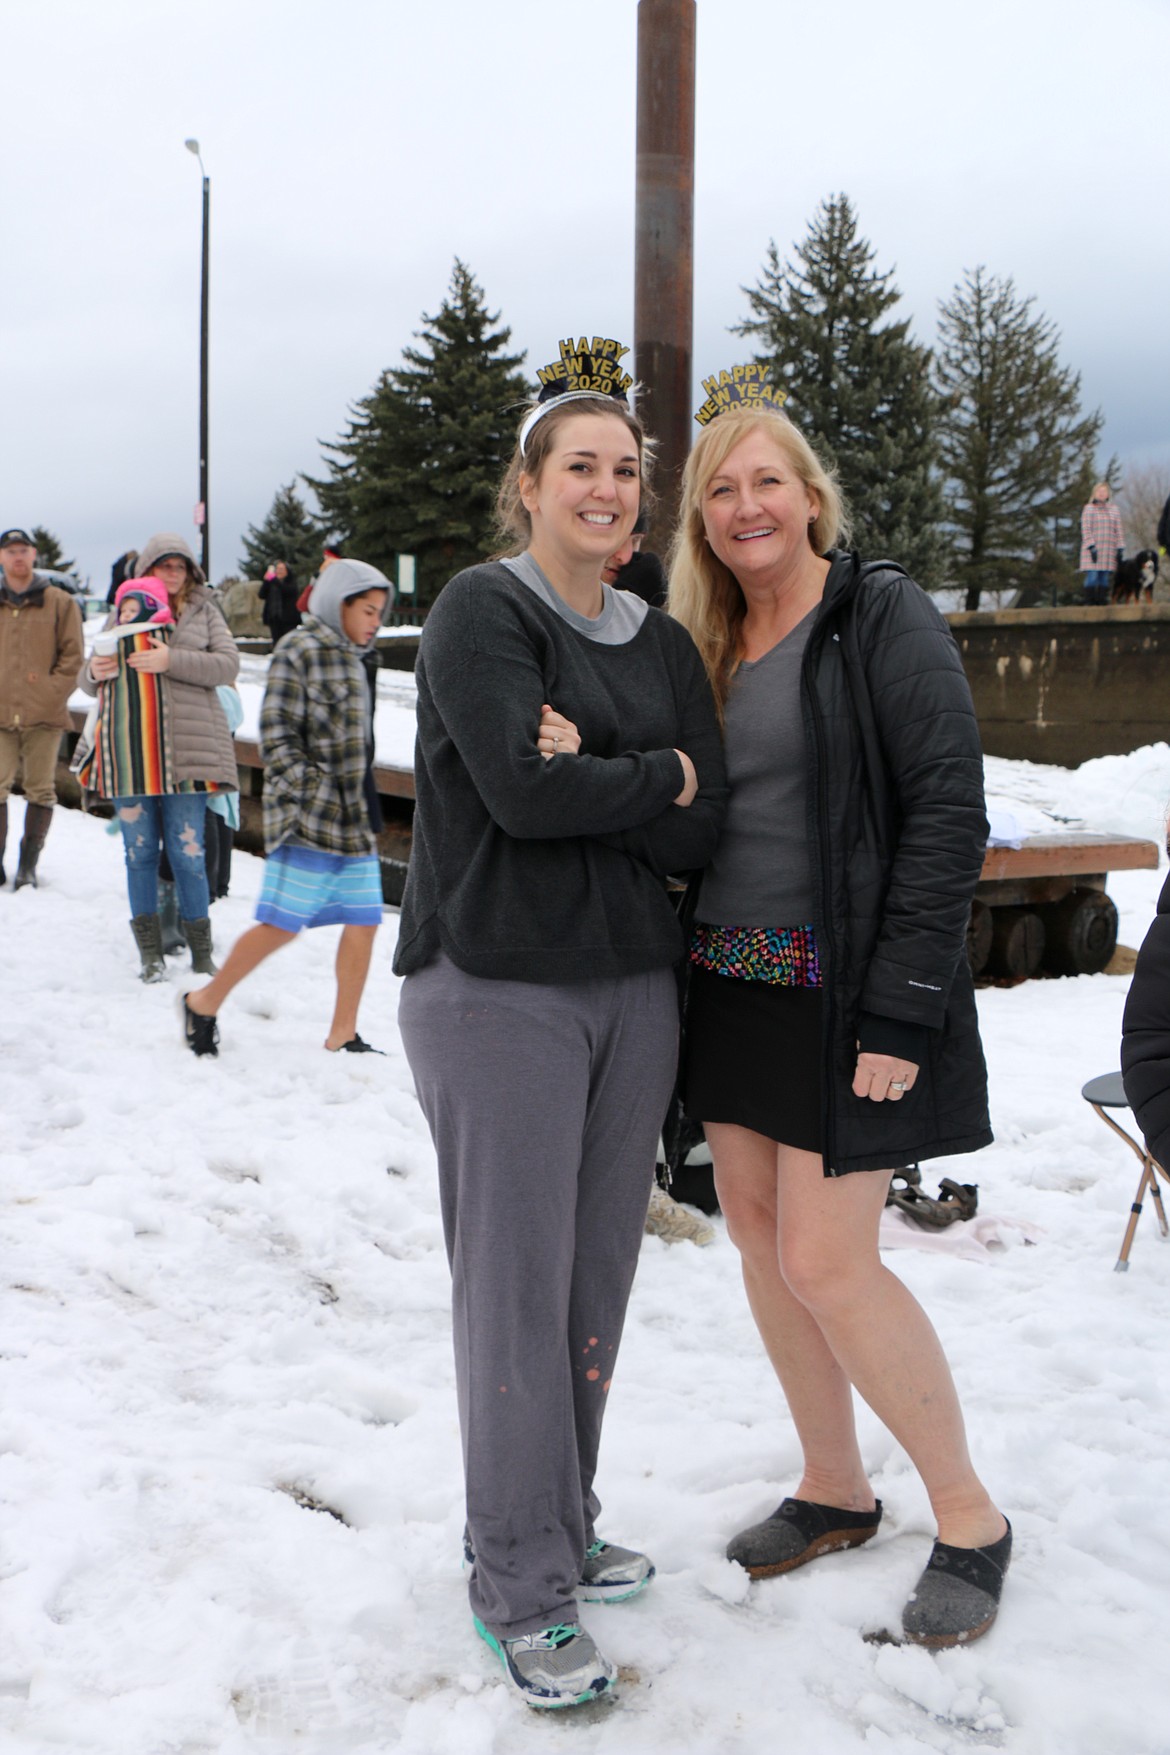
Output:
x,y
533,870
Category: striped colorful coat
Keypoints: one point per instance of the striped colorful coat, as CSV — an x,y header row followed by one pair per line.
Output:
x,y
133,754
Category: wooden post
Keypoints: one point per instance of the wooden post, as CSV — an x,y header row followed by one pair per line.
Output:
x,y
664,242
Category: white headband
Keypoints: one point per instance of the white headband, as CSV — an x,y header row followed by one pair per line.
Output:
x,y
543,408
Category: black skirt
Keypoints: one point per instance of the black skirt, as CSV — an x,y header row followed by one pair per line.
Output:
x,y
753,1057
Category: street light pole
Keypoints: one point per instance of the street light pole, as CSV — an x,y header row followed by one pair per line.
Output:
x,y
204,514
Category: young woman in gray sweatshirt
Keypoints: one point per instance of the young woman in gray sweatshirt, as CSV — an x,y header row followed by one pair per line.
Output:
x,y
568,759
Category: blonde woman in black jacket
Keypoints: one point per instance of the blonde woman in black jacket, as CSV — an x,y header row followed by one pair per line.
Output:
x,y
831,1024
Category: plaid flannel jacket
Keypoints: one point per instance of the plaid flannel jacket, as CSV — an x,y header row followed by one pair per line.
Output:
x,y
1100,530
313,740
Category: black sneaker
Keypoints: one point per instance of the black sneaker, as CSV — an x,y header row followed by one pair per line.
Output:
x,y
199,1033
355,1045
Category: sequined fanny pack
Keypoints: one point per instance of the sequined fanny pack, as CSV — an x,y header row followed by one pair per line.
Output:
x,y
786,956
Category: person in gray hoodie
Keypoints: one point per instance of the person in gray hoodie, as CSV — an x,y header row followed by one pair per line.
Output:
x,y
320,805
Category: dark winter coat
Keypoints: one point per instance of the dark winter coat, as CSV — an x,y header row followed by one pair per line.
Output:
x,y
897,833
1145,1034
280,613
1164,528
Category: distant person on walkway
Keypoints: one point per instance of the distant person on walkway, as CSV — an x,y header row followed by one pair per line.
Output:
x,y
278,593
40,650
330,552
320,806
122,569
163,746
1102,544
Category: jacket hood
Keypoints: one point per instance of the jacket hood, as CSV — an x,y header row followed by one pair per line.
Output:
x,y
163,543
344,579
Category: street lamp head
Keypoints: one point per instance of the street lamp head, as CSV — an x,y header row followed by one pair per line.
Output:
x,y
192,146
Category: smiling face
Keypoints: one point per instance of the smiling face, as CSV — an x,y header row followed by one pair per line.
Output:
x,y
584,500
757,512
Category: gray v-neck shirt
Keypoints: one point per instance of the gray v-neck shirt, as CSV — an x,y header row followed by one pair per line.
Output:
x,y
622,614
761,874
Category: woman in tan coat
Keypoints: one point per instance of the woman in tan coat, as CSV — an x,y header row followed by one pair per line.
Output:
x,y
178,754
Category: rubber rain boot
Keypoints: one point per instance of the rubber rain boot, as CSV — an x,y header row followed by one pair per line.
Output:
x,y
173,942
148,937
37,818
198,936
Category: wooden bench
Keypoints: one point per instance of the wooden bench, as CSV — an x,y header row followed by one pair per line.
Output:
x,y
1043,907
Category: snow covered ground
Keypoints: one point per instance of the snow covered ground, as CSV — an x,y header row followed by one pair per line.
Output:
x,y
223,1316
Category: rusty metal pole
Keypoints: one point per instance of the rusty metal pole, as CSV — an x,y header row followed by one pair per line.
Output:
x,y
664,243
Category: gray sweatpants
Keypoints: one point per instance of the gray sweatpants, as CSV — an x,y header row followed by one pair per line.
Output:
x,y
545,1105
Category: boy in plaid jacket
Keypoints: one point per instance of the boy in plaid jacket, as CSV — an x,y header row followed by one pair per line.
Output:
x,y
320,804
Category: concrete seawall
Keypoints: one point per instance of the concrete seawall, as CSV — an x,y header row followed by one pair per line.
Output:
x,y
1064,685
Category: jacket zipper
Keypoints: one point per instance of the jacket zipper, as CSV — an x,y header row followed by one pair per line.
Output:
x,y
828,1153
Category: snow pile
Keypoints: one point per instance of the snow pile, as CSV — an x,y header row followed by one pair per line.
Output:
x,y
230,1487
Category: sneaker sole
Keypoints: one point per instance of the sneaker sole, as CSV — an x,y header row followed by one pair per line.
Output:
x,y
944,1641
542,1703
830,1543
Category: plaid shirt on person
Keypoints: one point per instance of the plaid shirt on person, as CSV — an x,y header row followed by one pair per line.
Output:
x,y
316,743
1100,530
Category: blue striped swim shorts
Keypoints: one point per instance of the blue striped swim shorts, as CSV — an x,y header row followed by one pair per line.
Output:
x,y
306,887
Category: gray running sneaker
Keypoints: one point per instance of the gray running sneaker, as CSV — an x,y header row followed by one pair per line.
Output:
x,y
609,1574
612,1575
559,1666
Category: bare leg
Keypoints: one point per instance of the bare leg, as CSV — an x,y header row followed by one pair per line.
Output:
x,y
248,952
825,1261
353,965
817,1390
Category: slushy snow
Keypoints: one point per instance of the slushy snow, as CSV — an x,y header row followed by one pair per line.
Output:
x,y
230,1485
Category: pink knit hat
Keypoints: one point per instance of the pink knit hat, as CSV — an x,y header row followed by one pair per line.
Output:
x,y
153,591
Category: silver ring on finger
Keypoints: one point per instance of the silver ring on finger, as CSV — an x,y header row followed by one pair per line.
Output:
x,y
898,1085
556,744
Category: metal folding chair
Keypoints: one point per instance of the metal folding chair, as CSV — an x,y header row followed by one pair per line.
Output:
x,y
1108,1092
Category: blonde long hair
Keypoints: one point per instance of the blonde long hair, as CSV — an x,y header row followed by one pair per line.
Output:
x,y
704,595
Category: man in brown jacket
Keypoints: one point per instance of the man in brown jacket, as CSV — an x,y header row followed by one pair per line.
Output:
x,y
40,656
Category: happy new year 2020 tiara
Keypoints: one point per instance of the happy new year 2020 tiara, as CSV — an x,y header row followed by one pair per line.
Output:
x,y
584,369
741,387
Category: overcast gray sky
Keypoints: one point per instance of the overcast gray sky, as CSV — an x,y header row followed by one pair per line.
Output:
x,y
356,146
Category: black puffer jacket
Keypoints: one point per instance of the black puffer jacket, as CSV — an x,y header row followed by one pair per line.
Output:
x,y
897,830
1145,1034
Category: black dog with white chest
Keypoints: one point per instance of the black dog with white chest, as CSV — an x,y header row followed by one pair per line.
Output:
x,y
1134,578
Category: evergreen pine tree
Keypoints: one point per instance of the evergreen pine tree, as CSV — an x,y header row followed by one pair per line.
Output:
x,y
288,534
49,552
1017,451
858,386
418,470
